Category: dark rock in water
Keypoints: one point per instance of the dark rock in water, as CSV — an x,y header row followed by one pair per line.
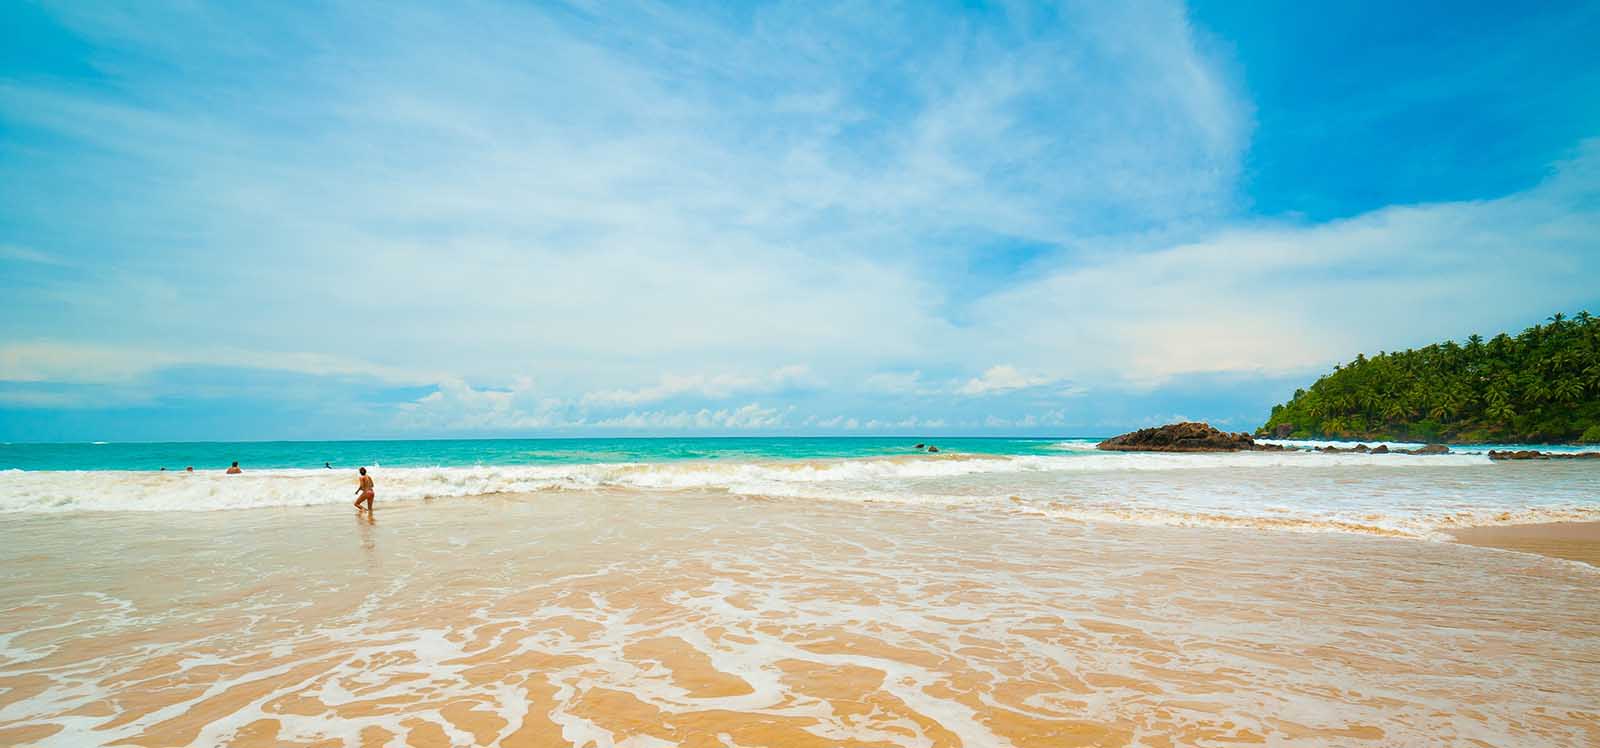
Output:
x,y
1185,437
1533,454
933,449
920,446
1383,449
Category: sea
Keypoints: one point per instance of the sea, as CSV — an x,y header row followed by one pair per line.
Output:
x,y
1297,490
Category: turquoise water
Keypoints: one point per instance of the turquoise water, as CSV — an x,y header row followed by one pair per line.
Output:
x,y
470,452
1067,477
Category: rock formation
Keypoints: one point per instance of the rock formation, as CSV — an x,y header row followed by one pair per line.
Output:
x,y
1531,454
1383,449
1185,437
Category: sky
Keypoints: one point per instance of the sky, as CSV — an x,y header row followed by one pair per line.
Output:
x,y
225,221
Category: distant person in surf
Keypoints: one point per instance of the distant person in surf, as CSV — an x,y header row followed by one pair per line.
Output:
x,y
234,469
328,465
364,491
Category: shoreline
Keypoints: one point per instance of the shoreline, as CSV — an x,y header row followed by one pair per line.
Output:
x,y
1572,541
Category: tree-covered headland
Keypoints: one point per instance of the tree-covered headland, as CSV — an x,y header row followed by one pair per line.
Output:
x,y
1540,386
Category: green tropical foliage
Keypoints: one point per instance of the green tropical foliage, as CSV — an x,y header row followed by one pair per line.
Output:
x,y
1541,386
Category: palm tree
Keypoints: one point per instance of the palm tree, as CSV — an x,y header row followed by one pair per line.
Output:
x,y
1501,412
1536,390
1394,412
1497,394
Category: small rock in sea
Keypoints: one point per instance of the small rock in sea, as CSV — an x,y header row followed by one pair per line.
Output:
x,y
933,449
920,445
1381,449
1431,449
1361,448
1532,454
1520,454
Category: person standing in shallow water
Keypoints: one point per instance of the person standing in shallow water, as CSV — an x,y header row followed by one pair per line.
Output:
x,y
364,491
234,468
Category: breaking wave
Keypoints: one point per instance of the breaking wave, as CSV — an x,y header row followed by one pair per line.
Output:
x,y
57,491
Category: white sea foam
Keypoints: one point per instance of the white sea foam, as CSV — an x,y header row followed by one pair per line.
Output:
x,y
1300,491
113,490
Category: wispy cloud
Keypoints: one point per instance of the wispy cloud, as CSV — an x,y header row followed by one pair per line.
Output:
x,y
1004,378
14,253
750,417
713,387
90,363
655,212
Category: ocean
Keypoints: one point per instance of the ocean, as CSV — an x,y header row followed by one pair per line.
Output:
x,y
1418,496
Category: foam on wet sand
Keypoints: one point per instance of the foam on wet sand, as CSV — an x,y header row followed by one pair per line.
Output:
x,y
646,618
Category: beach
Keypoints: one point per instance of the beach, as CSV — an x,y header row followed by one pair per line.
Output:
x,y
1578,541
652,618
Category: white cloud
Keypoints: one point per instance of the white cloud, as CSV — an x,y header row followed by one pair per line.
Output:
x,y
750,417
23,254
1027,421
1003,378
79,363
897,383
457,406
715,387
847,423
1281,298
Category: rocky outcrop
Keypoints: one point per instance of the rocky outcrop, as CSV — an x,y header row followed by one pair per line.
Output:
x,y
1532,454
1185,437
1383,449
1201,437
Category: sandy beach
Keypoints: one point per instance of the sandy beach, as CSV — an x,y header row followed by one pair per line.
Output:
x,y
633,618
1578,541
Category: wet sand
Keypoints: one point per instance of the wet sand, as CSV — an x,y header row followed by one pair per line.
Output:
x,y
1576,541
640,619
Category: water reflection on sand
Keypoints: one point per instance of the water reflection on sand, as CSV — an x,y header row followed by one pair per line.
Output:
x,y
637,618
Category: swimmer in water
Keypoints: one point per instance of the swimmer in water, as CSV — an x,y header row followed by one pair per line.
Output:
x,y
364,491
234,469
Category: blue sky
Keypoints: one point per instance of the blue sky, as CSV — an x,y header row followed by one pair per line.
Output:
x,y
225,221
